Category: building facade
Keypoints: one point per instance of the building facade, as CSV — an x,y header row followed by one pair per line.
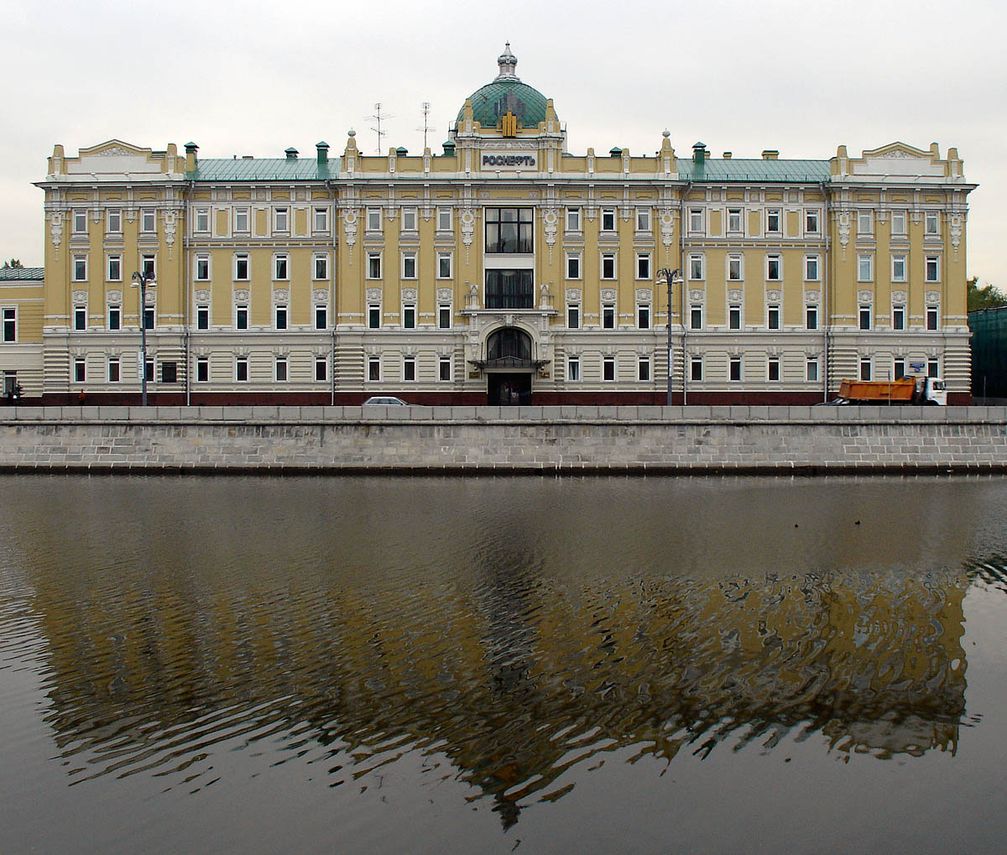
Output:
x,y
502,269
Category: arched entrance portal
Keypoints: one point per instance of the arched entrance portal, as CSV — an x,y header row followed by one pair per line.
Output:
x,y
509,367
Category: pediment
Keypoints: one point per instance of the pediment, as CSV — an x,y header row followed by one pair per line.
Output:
x,y
115,156
897,158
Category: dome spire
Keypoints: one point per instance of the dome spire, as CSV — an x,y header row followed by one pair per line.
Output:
x,y
507,62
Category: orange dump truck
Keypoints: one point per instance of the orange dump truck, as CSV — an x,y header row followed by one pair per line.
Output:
x,y
908,390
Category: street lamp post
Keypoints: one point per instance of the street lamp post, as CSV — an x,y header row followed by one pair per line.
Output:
x,y
670,277
141,278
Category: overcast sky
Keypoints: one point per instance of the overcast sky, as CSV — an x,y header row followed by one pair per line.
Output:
x,y
256,77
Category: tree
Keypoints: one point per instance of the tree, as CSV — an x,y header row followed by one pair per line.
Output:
x,y
13,264
984,297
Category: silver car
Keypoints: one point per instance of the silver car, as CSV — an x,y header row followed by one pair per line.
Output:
x,y
385,402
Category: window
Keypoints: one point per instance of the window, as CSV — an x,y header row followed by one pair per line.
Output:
x,y
202,369
241,369
865,223
643,265
509,230
409,368
113,221
933,268
573,316
373,368
773,317
202,268
734,221
280,264
321,369
865,368
931,224
696,368
932,317
608,265
811,369
444,316
374,265
374,219
241,267
80,268
202,225
148,264
510,289
811,268
865,268
898,369
811,222
573,368
898,317
241,317
774,268
773,221
241,222
169,372
113,268
774,369
933,368
79,370
811,317
202,317
321,317
608,369
696,317
148,317
734,317
899,223
443,219
573,219
444,264
643,220
608,219
80,222
864,317
696,267
409,265
408,219
113,369
9,324
735,268
734,369
320,221
280,317
280,369
695,219
373,316
281,220
608,316
573,265
898,268
643,369
148,222
320,265
408,316
444,368
643,316
80,318
114,317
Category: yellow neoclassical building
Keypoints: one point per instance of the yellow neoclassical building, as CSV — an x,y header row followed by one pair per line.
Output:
x,y
501,269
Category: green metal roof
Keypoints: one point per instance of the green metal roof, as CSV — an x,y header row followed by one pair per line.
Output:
x,y
754,169
494,99
264,169
21,274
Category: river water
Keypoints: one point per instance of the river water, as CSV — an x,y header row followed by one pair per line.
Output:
x,y
490,665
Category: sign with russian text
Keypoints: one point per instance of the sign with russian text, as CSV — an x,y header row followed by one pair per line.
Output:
x,y
509,161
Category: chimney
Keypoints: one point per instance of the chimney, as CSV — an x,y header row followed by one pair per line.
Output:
x,y
727,155
291,153
770,154
323,152
190,156
699,152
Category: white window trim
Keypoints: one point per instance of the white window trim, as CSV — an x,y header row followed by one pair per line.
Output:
x,y
248,267
644,256
580,266
905,267
615,220
615,266
645,214
73,271
248,369
248,220
108,267
315,258
574,213
817,259
381,266
373,213
441,212
450,256
202,256
324,211
779,259
741,222
283,209
413,214
4,320
701,258
861,258
277,256
740,258
779,221
926,268
415,257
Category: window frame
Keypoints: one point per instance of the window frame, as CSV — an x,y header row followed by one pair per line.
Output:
x,y
110,259
281,317
898,317
643,266
696,311
903,260
772,213
320,258
573,219
241,367
241,222
445,214
242,316
935,260
79,267
865,317
281,267
202,316
445,258
373,222
573,259
375,264
865,267
201,260
113,310
409,367
409,268
812,260
116,227
612,258
239,258
8,324
609,220
774,317
281,213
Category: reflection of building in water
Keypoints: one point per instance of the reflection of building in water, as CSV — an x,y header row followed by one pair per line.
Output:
x,y
871,660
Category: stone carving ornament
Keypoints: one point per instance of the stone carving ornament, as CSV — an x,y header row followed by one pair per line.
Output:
x,y
812,296
373,295
573,295
467,218
319,295
80,296
241,296
933,296
735,296
350,226
696,295
56,227
644,295
898,296
444,294
956,230
281,295
202,296
844,228
409,294
114,296
550,221
865,296
608,294
170,220
667,226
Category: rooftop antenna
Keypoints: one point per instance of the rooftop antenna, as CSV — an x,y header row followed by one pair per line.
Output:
x,y
426,122
377,118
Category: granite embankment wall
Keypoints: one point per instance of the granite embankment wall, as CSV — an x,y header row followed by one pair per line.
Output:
x,y
673,440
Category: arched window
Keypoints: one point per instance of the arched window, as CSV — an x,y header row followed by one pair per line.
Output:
x,y
510,344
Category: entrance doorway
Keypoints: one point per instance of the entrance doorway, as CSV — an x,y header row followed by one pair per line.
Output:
x,y
509,390
508,367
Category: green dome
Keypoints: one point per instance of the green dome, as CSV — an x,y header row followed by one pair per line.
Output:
x,y
507,92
